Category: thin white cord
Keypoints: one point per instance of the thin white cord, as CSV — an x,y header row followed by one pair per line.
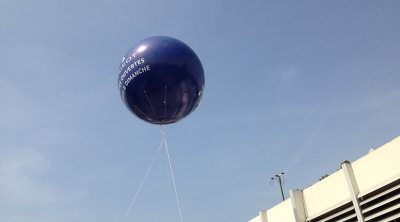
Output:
x,y
148,170
171,199
178,106
154,112
173,180
161,129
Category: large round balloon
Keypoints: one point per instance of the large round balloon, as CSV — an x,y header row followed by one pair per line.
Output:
x,y
161,80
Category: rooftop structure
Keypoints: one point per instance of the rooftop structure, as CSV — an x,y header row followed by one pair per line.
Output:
x,y
367,189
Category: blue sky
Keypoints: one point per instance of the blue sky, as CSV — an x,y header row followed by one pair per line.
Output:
x,y
291,86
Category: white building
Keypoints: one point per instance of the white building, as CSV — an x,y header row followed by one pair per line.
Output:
x,y
367,189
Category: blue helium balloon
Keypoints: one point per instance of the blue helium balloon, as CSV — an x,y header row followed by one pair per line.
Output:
x,y
161,80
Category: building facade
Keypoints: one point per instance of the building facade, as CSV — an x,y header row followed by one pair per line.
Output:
x,y
367,189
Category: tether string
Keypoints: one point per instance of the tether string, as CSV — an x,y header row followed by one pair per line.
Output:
x,y
165,102
154,112
178,105
173,180
148,170
166,148
142,113
161,129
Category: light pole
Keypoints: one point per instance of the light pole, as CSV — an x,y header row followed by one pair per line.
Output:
x,y
278,176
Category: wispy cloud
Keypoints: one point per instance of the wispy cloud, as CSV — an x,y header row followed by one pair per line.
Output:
x,y
24,189
301,152
19,182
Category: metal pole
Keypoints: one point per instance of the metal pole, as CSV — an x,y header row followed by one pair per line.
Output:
x,y
280,184
278,176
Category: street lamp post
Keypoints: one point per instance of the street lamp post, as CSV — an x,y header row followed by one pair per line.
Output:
x,y
278,177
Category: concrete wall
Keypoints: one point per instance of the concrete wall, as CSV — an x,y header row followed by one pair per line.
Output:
x,y
378,167
364,175
327,194
262,217
256,219
282,212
